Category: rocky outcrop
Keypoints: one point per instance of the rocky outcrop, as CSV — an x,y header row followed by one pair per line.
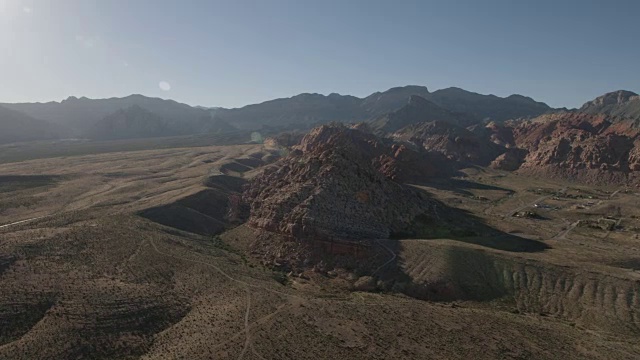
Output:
x,y
619,97
337,184
581,146
283,140
498,133
621,105
406,164
634,156
454,142
511,160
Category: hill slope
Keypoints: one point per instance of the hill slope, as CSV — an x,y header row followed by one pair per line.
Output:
x,y
619,103
302,111
82,114
453,141
380,103
307,110
417,110
589,148
297,112
488,106
133,122
16,126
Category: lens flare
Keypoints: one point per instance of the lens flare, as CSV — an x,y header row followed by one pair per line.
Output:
x,y
164,86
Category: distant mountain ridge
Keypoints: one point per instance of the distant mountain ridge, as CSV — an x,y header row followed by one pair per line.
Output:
x,y
380,103
418,110
488,107
621,103
16,126
389,110
133,122
308,110
302,111
81,114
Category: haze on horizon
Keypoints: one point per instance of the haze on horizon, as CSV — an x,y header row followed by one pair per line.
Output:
x,y
233,53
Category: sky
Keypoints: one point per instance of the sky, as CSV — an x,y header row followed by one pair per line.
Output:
x,y
238,52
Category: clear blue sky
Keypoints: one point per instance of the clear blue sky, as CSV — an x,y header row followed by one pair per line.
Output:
x,y
232,53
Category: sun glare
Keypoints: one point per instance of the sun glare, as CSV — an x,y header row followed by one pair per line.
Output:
x,y
6,6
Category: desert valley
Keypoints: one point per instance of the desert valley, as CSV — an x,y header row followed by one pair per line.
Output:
x,y
408,224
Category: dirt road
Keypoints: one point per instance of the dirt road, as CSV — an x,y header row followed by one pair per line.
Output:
x,y
21,221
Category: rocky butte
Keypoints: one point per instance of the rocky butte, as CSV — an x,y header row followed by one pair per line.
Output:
x,y
338,173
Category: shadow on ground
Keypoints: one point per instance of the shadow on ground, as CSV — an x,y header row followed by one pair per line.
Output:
x,y
207,212
20,182
461,186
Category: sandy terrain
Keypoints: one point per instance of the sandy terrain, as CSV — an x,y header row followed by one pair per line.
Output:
x,y
88,277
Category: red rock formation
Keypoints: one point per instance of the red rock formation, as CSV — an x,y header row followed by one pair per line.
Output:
x,y
337,184
454,142
581,146
500,134
511,160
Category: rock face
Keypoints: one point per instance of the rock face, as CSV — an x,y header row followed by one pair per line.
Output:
x,y
596,144
582,146
498,133
283,140
511,160
406,164
332,186
621,103
454,142
615,98
634,156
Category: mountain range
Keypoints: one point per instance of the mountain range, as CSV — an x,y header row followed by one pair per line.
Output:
x,y
138,116
17,126
80,117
